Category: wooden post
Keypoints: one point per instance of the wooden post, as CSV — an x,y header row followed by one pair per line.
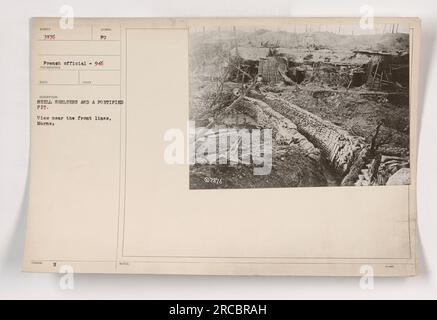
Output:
x,y
380,78
376,72
235,40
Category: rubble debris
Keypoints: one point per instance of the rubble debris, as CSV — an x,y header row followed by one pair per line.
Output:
x,y
372,69
400,177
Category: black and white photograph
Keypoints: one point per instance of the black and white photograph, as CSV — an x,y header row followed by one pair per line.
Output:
x,y
305,105
233,159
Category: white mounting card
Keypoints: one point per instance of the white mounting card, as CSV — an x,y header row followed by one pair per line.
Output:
x,y
223,146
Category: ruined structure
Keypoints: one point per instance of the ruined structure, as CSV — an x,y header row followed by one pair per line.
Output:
x,y
373,69
272,69
384,68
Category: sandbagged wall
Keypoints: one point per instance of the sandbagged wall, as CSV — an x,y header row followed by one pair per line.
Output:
x,y
254,112
337,145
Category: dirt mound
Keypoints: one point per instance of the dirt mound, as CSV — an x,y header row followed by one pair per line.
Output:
x,y
290,169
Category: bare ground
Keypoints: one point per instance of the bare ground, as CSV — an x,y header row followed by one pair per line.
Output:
x,y
290,169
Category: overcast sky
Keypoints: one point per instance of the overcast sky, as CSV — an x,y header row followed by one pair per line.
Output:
x,y
302,28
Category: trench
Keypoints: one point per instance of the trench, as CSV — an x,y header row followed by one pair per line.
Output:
x,y
338,147
332,178
319,140
320,133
